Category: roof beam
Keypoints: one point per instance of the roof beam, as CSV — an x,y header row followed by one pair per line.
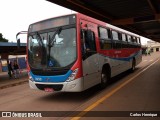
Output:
x,y
152,7
157,16
157,40
127,21
88,8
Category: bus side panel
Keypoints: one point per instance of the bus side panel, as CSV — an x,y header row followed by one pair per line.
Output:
x,y
139,57
90,71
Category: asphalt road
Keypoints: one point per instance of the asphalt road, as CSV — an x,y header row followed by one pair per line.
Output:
x,y
136,91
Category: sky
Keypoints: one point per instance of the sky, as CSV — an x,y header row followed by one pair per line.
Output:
x,y
17,15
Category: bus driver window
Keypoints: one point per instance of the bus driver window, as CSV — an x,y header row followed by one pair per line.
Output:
x,y
87,43
84,45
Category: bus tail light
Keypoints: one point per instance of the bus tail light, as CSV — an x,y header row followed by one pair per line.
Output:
x,y
72,76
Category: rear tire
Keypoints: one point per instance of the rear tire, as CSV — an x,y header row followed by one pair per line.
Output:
x,y
105,77
133,65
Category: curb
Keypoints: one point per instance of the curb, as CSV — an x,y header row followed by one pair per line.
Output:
x,y
13,84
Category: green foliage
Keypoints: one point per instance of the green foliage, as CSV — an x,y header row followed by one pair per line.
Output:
x,y
2,39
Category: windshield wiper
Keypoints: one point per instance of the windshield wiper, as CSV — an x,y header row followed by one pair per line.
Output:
x,y
43,50
39,39
51,41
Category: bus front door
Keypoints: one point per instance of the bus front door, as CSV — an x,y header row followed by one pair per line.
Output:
x,y
90,58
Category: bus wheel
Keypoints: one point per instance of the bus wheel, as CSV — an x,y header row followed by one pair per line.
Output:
x,y
133,65
105,76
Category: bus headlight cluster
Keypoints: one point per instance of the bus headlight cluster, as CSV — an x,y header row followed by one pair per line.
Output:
x,y
30,77
72,76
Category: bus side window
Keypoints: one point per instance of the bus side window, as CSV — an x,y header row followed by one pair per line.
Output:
x,y
116,39
139,42
129,41
129,38
105,38
124,41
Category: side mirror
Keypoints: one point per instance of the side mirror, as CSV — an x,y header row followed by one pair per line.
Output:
x,y
18,40
18,43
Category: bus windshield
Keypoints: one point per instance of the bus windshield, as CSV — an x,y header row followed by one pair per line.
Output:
x,y
52,49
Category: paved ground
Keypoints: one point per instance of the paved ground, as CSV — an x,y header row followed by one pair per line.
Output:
x,y
6,82
135,94
138,91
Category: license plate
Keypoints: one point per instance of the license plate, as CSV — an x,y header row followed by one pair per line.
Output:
x,y
48,89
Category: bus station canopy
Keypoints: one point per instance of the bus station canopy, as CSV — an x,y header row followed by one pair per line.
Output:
x,y
11,48
138,16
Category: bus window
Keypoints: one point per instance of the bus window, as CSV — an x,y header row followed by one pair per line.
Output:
x,y
138,41
124,37
116,40
132,39
135,40
124,41
104,35
115,35
129,38
120,36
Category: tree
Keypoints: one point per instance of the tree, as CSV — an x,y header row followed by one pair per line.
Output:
x,y
2,39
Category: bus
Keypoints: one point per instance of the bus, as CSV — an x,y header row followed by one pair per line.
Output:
x,y
75,52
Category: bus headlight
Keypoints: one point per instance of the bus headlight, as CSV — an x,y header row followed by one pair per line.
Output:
x,y
30,77
72,76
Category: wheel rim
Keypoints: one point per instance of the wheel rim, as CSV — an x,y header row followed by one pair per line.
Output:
x,y
104,78
133,66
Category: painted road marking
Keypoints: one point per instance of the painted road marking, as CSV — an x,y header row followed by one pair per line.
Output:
x,y
81,114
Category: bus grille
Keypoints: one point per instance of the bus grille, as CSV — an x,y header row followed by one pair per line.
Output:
x,y
55,87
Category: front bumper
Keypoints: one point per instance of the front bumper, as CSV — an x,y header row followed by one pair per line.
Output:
x,y
72,86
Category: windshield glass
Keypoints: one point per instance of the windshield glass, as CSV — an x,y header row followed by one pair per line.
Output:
x,y
51,49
